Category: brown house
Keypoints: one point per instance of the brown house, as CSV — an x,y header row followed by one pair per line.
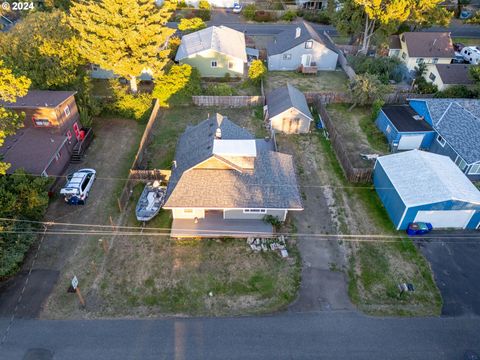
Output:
x,y
52,132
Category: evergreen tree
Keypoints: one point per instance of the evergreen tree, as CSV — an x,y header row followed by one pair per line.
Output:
x,y
124,36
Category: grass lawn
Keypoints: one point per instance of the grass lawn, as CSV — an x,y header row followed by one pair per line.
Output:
x,y
378,266
172,123
467,41
328,81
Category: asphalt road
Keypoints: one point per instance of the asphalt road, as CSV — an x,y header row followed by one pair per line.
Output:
x,y
323,335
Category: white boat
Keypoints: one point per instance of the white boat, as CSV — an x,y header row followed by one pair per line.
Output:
x,y
151,201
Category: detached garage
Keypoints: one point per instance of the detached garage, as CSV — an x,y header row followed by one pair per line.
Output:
x,y
421,186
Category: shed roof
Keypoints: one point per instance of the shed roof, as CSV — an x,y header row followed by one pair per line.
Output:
x,y
40,98
394,42
422,178
402,117
219,38
455,74
428,44
284,98
458,122
287,39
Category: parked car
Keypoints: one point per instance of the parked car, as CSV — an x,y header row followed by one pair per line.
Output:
x,y
78,186
419,228
237,8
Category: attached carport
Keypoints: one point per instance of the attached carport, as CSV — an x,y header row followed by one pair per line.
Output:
x,y
422,186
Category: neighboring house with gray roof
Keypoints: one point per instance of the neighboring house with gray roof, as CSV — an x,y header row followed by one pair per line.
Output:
x,y
301,45
447,75
223,179
287,110
457,126
214,51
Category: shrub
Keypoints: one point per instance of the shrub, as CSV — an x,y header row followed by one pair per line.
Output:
x,y
191,25
227,77
289,15
178,86
220,90
204,4
257,71
386,68
458,91
366,89
127,105
273,220
320,17
205,15
249,11
182,4
264,16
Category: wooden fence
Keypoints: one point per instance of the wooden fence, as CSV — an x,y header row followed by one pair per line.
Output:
x,y
352,173
228,101
327,97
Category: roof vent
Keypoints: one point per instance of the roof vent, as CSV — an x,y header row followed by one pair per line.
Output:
x,y
298,32
218,133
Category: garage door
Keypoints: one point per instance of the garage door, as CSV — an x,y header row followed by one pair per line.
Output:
x,y
446,218
409,142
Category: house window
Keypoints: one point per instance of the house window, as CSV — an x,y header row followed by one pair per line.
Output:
x,y
474,170
69,135
441,140
432,76
254,211
388,129
434,60
41,122
230,64
214,64
67,110
309,44
287,56
461,163
420,60
404,55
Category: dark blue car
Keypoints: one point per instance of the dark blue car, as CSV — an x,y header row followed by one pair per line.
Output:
x,y
419,228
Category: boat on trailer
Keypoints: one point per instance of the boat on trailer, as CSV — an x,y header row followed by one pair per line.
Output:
x,y
151,201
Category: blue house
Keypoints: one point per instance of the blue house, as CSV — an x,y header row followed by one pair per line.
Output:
x,y
421,186
404,128
456,123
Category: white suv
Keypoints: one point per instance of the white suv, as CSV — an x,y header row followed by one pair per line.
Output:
x,y
78,186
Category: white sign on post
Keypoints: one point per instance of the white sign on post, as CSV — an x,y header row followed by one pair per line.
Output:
x,y
74,283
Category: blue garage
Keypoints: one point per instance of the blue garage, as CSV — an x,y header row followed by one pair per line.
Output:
x,y
404,128
421,186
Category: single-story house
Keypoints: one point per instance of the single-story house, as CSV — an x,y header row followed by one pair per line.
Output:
x,y
214,51
423,47
404,128
301,46
421,186
224,182
456,123
447,75
51,134
287,110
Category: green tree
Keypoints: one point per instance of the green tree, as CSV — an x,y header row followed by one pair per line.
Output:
x,y
181,82
257,71
366,89
43,47
204,4
11,87
124,36
426,13
249,11
475,73
191,25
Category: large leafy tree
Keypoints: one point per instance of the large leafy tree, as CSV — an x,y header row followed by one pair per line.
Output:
x,y
124,36
11,87
43,47
366,89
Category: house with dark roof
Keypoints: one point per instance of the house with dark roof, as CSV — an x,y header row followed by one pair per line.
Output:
x,y
447,75
52,132
299,47
224,182
456,123
287,111
214,51
403,128
423,47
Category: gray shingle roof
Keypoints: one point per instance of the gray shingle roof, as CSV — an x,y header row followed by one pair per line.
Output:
x,y
284,98
271,184
429,44
219,38
458,74
40,98
458,122
287,40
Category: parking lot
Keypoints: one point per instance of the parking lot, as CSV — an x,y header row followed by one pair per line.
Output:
x,y
454,259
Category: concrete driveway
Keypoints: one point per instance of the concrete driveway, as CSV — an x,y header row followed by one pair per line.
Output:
x,y
455,263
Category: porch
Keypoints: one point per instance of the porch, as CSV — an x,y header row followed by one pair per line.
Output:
x,y
214,225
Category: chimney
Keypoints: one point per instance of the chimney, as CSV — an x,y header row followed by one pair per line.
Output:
x,y
298,32
218,133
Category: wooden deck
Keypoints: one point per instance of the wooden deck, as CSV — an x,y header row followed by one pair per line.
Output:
x,y
213,225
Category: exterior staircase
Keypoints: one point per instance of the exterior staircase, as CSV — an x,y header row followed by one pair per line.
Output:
x,y
80,147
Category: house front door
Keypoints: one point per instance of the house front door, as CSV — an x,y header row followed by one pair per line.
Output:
x,y
306,60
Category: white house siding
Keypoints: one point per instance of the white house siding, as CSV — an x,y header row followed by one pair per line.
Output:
x,y
287,122
239,214
325,58
214,3
180,213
